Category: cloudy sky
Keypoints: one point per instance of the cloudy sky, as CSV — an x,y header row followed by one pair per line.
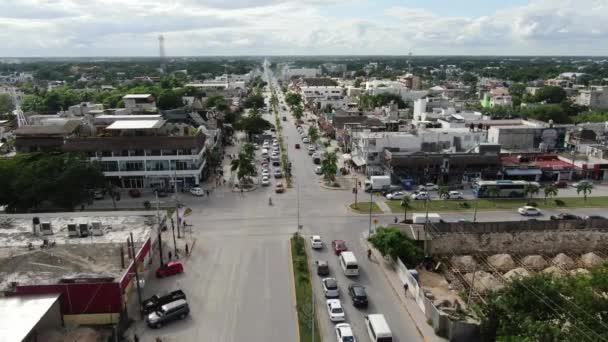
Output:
x,y
303,27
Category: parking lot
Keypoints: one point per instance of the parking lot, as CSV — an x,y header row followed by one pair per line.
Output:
x,y
381,298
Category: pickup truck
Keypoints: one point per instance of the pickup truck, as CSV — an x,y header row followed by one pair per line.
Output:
x,y
156,301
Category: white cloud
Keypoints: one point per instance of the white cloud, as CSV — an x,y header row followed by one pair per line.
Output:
x,y
217,27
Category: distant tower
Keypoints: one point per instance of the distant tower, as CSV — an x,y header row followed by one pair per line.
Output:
x,y
161,46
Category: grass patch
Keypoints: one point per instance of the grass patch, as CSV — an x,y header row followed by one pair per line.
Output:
x,y
500,204
363,207
303,288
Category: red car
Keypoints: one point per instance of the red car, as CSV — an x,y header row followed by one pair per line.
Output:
x,y
171,268
560,184
339,246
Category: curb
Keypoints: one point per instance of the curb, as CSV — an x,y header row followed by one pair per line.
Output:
x,y
374,251
245,190
294,301
322,184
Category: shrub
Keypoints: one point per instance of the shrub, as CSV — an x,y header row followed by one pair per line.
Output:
x,y
532,204
147,205
560,203
465,204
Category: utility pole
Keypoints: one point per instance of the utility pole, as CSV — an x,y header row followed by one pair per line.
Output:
x,y
160,236
426,222
176,203
135,265
371,201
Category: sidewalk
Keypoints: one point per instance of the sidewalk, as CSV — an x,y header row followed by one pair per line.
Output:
x,y
410,305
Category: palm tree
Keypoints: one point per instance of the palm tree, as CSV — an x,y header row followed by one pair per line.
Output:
x,y
329,166
298,112
492,191
550,190
313,134
585,188
531,189
405,203
249,150
444,192
243,165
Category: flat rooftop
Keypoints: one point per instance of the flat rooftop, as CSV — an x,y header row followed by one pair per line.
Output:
x,y
136,124
136,96
93,256
21,314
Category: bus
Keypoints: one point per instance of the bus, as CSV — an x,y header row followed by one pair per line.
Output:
x,y
506,188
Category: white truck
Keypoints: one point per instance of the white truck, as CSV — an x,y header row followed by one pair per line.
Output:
x,y
377,183
420,218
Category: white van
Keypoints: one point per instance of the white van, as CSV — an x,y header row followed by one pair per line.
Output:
x,y
265,152
377,328
349,265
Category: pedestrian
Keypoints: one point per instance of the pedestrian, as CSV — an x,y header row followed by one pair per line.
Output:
x,y
187,251
135,338
396,219
242,193
207,193
406,287
170,255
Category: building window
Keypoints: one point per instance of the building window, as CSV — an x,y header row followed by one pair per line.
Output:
x,y
131,165
109,166
154,152
169,152
106,153
157,165
138,153
124,153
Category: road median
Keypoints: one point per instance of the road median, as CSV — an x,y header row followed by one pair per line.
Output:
x,y
307,320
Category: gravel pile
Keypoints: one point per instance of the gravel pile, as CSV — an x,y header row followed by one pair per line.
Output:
x,y
483,281
502,262
590,260
534,262
554,270
519,272
464,263
563,261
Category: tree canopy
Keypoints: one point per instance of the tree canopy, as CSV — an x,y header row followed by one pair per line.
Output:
x,y
550,94
293,99
254,100
392,242
6,104
64,180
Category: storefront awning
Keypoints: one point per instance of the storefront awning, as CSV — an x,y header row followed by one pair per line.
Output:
x,y
358,161
523,172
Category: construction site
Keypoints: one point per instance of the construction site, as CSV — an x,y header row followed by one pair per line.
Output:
x,y
473,259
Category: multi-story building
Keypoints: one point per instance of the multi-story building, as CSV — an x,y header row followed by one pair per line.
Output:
x,y
596,97
429,108
146,153
321,96
139,103
528,137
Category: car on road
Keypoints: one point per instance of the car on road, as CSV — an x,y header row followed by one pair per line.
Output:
x,y
428,187
322,267
316,242
330,288
276,163
335,310
560,184
528,210
197,191
265,181
565,216
421,195
265,172
156,301
277,174
98,194
167,313
278,188
455,195
284,118
318,170
344,333
173,267
575,185
275,157
297,146
338,246
397,195
358,295
594,217
305,140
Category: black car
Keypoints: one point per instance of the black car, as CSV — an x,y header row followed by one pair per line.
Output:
x,y
155,302
595,217
566,216
358,295
322,267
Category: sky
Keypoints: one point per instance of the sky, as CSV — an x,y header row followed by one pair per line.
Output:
x,y
71,28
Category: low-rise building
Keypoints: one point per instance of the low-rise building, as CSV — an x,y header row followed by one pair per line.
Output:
x,y
594,98
528,137
47,136
139,103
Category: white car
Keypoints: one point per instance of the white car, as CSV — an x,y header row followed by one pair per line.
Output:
x,y
344,333
330,288
312,148
318,170
305,140
397,195
529,211
274,157
422,195
266,173
428,187
316,242
335,310
265,181
197,191
455,195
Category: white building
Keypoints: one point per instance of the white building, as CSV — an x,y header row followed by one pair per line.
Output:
x,y
595,98
287,73
139,103
501,101
432,108
324,95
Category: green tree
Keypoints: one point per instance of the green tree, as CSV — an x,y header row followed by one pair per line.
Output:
x,y
254,100
170,99
244,168
550,190
531,189
405,203
33,103
550,94
584,188
298,112
329,166
313,134
395,244
217,101
293,99
6,104
357,83
253,123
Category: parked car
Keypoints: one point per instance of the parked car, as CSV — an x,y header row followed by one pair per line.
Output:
x,y
392,188
305,140
428,187
529,211
277,174
156,301
265,181
284,118
322,267
276,163
565,216
167,313
344,333
98,194
134,193
173,267
397,195
278,188
575,185
318,170
316,242
197,191
560,184
338,246
358,295
335,310
297,146
420,195
330,288
594,217
455,195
